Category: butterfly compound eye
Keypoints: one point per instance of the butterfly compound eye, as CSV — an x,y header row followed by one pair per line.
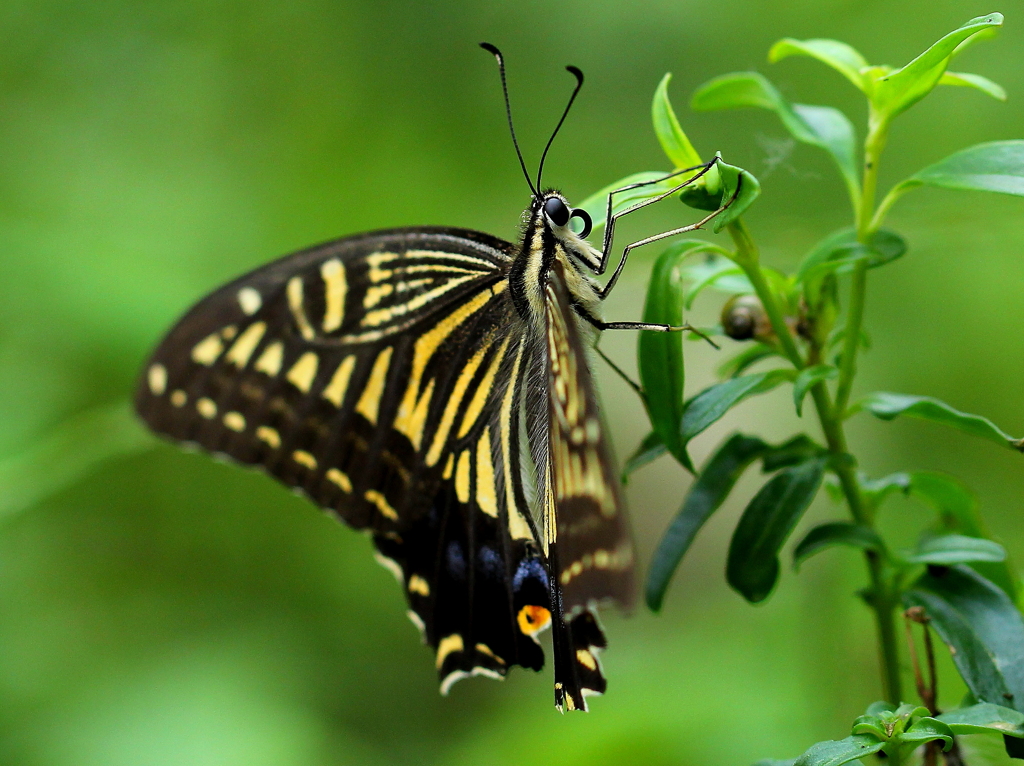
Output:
x,y
557,211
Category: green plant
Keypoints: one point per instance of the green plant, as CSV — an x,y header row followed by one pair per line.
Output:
x,y
807,327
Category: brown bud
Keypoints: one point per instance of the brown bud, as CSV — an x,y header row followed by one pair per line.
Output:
x,y
743,318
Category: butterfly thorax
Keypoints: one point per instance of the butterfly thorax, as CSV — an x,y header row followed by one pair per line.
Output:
x,y
546,240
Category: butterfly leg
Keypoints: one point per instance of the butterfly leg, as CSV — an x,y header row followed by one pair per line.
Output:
x,y
603,293
611,219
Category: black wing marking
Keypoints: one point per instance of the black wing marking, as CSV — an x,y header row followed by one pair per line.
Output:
x,y
587,535
380,375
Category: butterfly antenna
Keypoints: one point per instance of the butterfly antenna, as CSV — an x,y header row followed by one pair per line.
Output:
x,y
508,110
579,84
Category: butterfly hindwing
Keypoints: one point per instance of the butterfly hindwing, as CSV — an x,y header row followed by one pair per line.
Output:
x,y
590,550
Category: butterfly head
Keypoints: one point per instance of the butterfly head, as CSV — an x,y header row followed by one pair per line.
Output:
x,y
569,226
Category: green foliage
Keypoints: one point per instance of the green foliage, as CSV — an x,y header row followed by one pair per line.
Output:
x,y
889,406
982,627
753,564
811,323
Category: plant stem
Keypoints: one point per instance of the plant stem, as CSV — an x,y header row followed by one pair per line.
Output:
x,y
748,258
878,131
879,597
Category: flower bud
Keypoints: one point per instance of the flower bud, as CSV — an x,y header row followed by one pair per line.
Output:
x,y
743,318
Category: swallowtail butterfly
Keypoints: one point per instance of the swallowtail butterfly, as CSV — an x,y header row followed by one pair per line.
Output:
x,y
432,386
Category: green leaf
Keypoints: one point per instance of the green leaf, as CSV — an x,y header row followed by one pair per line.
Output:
x,y
799,449
888,406
838,752
983,718
713,402
660,354
996,166
894,92
776,762
69,453
746,359
713,268
840,56
840,251
670,134
981,626
955,549
820,126
836,533
927,729
707,494
806,380
875,491
870,724
596,204
967,80
739,190
721,273
649,450
752,567
958,512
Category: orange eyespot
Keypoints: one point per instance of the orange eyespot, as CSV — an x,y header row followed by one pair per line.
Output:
x,y
533,619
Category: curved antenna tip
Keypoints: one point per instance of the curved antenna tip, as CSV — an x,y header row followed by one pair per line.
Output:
x,y
491,49
575,72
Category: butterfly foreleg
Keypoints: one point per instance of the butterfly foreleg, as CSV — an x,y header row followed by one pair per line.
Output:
x,y
611,219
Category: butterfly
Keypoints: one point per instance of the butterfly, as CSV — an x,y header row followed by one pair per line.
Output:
x,y
433,386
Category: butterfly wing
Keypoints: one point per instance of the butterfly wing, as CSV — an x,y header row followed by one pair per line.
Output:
x,y
378,375
590,549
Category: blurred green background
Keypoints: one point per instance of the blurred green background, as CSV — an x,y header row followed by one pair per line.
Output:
x,y
167,609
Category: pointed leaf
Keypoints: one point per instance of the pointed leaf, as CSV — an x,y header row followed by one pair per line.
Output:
x,y
752,568
888,406
840,56
840,250
928,729
869,724
997,166
660,354
707,494
713,402
981,626
838,752
739,190
799,449
983,718
806,380
670,134
745,359
716,269
958,512
875,491
836,533
967,80
820,126
897,91
955,549
724,274
649,450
